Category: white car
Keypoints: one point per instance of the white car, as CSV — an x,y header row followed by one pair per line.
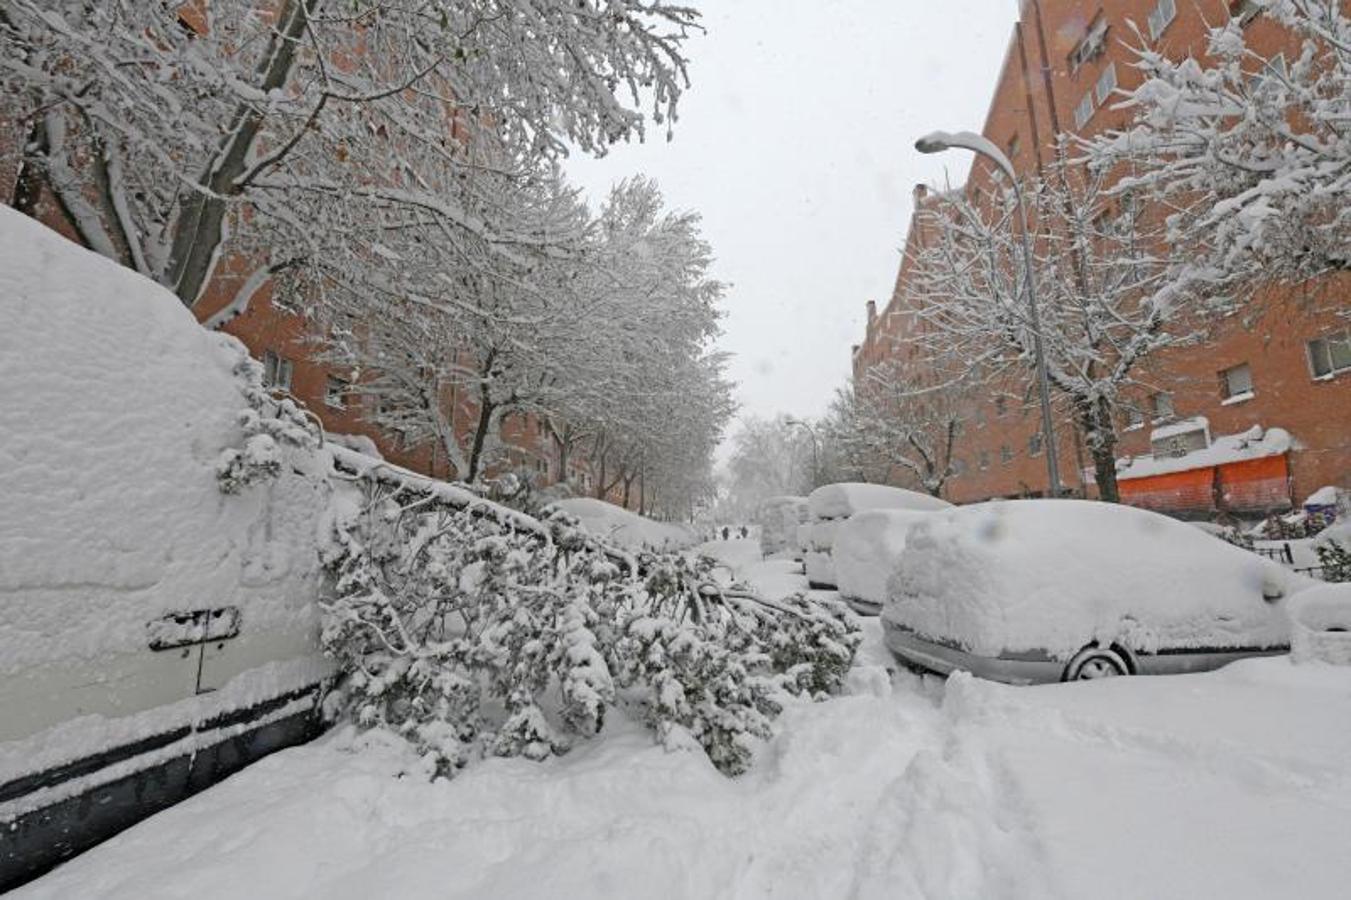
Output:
x,y
1059,590
156,634
866,549
830,505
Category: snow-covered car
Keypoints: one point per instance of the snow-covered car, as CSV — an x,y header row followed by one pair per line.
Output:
x,y
779,519
830,505
624,528
1028,591
866,549
156,634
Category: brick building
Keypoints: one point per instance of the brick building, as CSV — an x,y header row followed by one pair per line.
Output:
x,y
1255,418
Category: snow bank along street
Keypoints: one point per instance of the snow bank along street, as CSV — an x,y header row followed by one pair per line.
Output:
x,y
1234,783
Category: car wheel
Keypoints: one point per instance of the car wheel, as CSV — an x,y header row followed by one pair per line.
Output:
x,y
1095,662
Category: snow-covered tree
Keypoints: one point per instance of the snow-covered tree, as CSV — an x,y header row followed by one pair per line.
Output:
x,y
1101,268
470,630
1250,149
889,428
771,458
302,132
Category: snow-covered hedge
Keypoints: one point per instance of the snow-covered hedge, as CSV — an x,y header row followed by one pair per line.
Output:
x,y
474,630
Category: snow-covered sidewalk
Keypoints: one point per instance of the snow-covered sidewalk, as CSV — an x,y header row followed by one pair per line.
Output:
x,y
1235,783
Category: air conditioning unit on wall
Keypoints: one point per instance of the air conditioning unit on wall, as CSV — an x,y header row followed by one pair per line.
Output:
x,y
1180,438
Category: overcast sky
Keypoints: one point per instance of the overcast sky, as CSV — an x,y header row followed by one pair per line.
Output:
x,y
795,144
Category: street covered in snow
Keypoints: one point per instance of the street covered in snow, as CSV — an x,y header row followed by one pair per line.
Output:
x,y
519,449
1234,783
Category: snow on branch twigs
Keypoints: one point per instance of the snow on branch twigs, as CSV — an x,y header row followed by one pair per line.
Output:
x,y
469,636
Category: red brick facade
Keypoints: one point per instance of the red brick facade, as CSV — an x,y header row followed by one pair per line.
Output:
x,y
1039,88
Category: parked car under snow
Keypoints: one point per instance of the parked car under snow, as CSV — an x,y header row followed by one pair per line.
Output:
x,y
830,505
866,549
156,635
1031,591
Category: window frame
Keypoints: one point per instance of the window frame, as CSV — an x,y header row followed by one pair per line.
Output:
x,y
338,399
1099,95
1084,110
1227,392
278,371
1164,411
1328,341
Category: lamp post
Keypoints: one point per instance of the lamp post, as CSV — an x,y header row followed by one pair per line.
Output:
x,y
937,142
816,456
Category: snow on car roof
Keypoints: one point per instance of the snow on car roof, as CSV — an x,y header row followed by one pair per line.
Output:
x,y
117,407
624,528
1056,574
836,501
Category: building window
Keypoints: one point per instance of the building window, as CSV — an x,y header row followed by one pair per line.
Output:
x,y
1236,383
985,459
1161,16
1134,419
1161,404
1034,444
958,467
1001,405
1330,354
1005,453
335,393
1106,83
276,371
1084,111
1092,44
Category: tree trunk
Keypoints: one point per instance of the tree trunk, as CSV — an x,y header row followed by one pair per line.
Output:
x,y
28,182
1096,419
200,226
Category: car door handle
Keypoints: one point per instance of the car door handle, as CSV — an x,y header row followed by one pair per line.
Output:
x,y
195,626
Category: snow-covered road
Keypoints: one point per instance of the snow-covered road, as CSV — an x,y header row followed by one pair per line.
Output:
x,y
1235,784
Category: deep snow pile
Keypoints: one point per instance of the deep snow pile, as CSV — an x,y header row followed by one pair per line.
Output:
x,y
1053,574
622,528
117,409
866,549
1227,784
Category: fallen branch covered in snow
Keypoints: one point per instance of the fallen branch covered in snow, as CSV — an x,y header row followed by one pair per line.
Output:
x,y
474,633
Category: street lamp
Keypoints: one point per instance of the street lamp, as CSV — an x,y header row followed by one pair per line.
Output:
x,y
816,457
937,142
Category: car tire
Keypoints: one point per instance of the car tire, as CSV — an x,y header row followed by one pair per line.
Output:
x,y
1092,663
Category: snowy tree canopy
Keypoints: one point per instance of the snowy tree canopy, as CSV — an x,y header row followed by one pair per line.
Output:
x,y
304,130
1101,265
887,428
1250,148
603,337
